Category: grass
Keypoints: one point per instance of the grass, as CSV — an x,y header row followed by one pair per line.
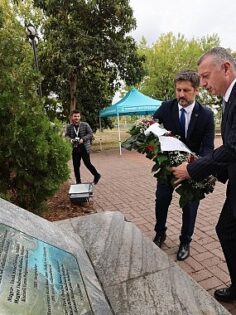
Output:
x,y
109,139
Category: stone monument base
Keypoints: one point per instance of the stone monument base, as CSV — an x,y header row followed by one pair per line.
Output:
x,y
138,278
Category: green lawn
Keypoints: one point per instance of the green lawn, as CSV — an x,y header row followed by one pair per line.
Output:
x,y
109,139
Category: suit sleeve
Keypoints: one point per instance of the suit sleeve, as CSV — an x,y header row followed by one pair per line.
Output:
x,y
220,159
158,113
207,145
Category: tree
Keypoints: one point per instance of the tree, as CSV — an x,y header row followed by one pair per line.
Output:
x,y
87,51
166,57
33,155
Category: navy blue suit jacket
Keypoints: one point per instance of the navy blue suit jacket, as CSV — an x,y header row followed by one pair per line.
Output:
x,y
201,129
222,161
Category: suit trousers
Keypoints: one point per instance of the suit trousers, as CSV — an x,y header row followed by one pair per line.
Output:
x,y
189,212
78,153
226,231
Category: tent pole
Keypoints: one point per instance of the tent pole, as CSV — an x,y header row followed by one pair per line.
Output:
x,y
100,128
118,126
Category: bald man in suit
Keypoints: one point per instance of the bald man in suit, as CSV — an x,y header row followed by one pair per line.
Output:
x,y
217,70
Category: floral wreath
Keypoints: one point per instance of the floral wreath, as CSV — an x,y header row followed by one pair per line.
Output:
x,y
149,144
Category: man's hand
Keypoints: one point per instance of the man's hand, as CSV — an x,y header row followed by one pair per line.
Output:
x,y
180,172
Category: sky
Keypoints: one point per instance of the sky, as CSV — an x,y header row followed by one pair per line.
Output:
x,y
191,18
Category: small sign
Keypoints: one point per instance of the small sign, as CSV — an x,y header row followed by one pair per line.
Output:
x,y
37,278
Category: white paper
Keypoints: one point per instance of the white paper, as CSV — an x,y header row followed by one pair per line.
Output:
x,y
172,144
156,130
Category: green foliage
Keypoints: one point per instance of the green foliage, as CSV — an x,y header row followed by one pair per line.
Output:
x,y
33,155
166,57
86,51
1,17
198,191
214,102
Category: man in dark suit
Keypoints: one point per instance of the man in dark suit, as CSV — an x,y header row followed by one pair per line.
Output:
x,y
194,123
81,135
217,70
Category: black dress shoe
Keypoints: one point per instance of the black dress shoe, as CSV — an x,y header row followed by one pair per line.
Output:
x,y
183,251
159,240
225,294
96,178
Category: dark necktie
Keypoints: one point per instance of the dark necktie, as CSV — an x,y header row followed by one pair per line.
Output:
x,y
225,111
225,107
224,103
182,121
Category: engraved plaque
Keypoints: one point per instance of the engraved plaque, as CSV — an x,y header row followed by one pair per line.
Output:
x,y
37,278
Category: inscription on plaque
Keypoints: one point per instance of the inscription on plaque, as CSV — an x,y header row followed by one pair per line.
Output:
x,y
37,278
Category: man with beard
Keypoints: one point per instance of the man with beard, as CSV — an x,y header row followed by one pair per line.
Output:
x,y
194,123
81,135
217,70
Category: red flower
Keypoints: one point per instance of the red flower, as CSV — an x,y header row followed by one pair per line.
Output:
x,y
170,134
150,148
148,122
192,158
151,122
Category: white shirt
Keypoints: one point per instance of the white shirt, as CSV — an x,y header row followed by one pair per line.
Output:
x,y
228,92
188,114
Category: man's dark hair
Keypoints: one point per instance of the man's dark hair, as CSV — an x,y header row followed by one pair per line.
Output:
x,y
220,55
75,111
188,75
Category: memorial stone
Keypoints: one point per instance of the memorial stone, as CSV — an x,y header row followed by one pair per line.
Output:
x,y
99,264
44,270
137,276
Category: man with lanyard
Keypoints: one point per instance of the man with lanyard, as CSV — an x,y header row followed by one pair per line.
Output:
x,y
81,135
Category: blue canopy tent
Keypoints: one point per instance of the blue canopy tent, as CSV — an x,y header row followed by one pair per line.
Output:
x,y
133,103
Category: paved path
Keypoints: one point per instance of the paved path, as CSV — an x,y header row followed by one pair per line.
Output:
x,y
128,186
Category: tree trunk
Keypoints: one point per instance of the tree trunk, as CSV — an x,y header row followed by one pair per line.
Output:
x,y
73,85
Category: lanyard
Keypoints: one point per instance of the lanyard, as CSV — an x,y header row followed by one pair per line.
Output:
x,y
76,132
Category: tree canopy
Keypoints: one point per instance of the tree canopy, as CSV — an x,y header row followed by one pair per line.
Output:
x,y
86,51
166,57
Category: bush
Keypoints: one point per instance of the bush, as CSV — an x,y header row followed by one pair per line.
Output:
x,y
33,156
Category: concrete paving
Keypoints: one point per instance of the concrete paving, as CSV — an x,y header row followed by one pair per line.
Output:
x,y
127,185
